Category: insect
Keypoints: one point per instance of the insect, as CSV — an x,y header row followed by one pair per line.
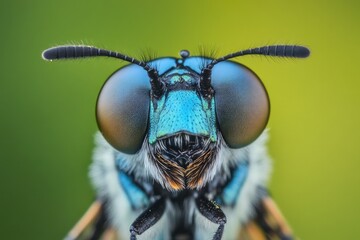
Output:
x,y
181,150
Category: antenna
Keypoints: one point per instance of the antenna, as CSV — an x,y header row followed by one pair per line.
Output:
x,y
83,51
290,51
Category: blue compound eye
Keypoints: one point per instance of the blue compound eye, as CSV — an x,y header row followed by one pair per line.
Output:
x,y
122,108
242,103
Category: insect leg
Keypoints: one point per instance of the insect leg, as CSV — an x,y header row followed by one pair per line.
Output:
x,y
212,212
270,219
91,214
109,234
100,225
148,218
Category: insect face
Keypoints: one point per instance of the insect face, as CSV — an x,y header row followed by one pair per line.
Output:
x,y
178,128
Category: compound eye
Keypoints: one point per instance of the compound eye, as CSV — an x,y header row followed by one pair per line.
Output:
x,y
242,103
123,108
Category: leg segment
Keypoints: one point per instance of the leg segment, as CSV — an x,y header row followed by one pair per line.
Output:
x,y
270,219
93,213
100,226
212,212
148,218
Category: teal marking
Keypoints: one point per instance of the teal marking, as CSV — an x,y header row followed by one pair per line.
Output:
x,y
137,197
182,111
232,190
154,118
177,71
181,78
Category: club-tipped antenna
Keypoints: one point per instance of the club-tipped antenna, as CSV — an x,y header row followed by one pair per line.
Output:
x,y
83,51
288,51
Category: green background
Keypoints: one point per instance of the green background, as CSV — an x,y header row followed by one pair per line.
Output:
x,y
47,109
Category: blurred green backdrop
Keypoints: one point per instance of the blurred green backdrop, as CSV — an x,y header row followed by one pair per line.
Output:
x,y
47,120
